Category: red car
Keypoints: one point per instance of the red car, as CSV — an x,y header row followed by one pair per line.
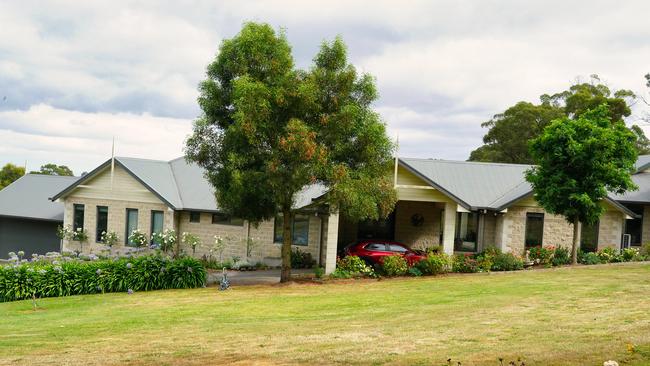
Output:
x,y
372,251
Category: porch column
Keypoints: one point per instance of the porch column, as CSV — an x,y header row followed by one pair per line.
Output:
x,y
332,242
449,229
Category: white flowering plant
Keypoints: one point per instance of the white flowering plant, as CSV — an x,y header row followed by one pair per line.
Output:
x,y
166,239
191,240
218,247
138,238
109,238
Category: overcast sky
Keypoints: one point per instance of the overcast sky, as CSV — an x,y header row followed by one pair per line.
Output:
x,y
74,74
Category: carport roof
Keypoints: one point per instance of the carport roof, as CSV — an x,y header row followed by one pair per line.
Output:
x,y
27,197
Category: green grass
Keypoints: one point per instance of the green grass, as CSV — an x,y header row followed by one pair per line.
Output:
x,y
583,315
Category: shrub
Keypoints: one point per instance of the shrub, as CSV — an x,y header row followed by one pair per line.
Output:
x,y
541,255
352,266
394,265
631,254
191,240
589,258
608,255
507,262
75,277
561,256
434,264
319,272
300,259
138,238
464,264
645,250
415,272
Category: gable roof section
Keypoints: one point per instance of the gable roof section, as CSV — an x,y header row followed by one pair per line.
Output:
x,y
642,163
179,184
642,195
491,186
27,197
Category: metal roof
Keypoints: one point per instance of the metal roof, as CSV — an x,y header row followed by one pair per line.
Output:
x,y
642,195
181,185
27,197
642,162
491,186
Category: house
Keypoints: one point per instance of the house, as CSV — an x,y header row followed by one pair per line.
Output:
x,y
462,206
28,219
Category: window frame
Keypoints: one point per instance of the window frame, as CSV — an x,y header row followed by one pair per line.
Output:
x,y
536,215
98,231
278,235
126,224
151,225
78,207
458,241
226,219
192,217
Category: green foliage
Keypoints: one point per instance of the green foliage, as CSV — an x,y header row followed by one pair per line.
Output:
x,y
109,238
138,238
10,173
166,240
507,262
53,169
609,255
465,264
415,272
143,273
394,265
589,258
269,129
300,259
509,132
319,272
352,266
435,264
561,256
631,255
190,240
645,250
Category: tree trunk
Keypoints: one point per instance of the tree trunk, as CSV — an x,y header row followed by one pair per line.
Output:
x,y
576,241
285,275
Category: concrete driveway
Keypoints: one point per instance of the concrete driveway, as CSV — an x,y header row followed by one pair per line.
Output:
x,y
264,277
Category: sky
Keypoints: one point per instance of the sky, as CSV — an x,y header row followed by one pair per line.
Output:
x,y
75,74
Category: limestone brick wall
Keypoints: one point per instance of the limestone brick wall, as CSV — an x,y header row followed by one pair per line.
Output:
x,y
610,229
426,235
235,236
488,230
557,231
645,229
116,219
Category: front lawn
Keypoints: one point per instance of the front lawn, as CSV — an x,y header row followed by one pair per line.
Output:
x,y
581,315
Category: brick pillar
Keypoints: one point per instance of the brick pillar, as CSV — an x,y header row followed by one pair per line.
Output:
x,y
331,243
449,230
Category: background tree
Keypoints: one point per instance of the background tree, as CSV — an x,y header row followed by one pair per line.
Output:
x,y
53,169
578,162
268,130
9,174
507,138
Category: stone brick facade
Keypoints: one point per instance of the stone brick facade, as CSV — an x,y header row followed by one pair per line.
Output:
x,y
426,235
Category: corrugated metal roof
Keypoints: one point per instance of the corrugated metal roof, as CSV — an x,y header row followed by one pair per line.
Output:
x,y
642,195
479,185
157,175
642,162
28,197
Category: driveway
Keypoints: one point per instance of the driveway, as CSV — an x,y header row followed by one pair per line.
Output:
x,y
264,277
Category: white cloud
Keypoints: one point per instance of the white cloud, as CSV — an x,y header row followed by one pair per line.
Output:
x,y
44,134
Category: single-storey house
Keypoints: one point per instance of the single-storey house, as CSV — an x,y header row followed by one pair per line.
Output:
x,y
461,206
28,219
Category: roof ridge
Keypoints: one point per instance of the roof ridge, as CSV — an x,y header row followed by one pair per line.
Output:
x,y
141,159
175,182
466,162
50,175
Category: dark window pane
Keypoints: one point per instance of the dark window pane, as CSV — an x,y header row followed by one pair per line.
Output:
x,y
534,229
633,228
195,217
376,246
466,231
589,238
78,217
223,219
300,230
397,248
157,221
102,222
131,223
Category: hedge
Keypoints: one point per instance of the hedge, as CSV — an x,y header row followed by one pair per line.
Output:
x,y
143,273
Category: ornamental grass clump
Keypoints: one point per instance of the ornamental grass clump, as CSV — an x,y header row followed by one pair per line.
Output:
x,y
76,277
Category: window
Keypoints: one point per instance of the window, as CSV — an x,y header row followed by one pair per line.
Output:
x,y
78,217
466,232
157,219
633,227
589,237
397,248
223,219
299,230
381,247
534,229
131,224
102,222
195,217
